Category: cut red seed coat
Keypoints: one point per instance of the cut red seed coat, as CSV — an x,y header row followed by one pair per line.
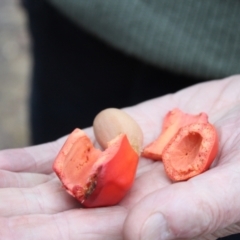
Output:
x,y
191,151
188,144
172,122
93,177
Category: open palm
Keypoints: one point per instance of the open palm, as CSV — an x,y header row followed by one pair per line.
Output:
x,y
34,205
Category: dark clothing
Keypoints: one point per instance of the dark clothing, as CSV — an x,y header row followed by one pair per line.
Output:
x,y
198,38
76,75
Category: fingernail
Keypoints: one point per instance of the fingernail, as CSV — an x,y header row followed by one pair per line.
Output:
x,y
156,228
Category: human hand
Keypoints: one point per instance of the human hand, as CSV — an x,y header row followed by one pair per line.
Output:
x,y
34,206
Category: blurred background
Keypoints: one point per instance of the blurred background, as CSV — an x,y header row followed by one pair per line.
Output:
x,y
14,75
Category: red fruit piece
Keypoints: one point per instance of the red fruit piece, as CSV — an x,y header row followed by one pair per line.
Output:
x,y
191,151
93,177
172,122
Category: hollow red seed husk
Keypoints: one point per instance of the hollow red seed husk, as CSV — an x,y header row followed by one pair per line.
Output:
x,y
93,177
173,121
191,151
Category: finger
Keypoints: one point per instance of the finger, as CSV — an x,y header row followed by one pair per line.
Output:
x,y
22,180
47,198
37,158
30,159
204,205
97,224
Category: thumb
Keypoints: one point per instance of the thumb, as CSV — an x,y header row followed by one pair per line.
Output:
x,y
205,207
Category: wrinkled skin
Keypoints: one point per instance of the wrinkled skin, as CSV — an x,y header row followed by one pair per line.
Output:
x,y
34,206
